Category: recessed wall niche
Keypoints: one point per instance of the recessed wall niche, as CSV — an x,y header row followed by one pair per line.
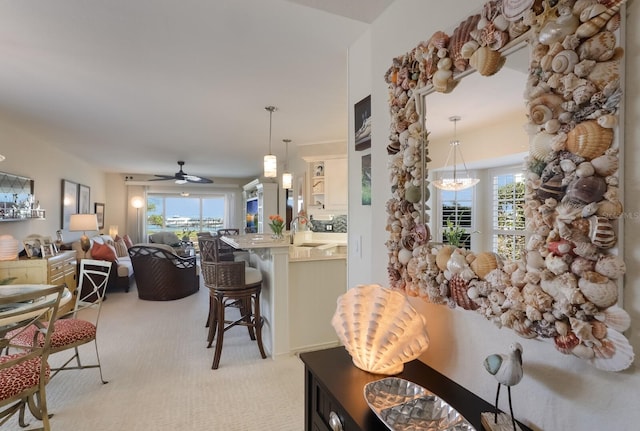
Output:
x,y
565,290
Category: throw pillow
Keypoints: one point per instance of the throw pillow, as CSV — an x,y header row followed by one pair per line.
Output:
x,y
121,248
127,241
104,252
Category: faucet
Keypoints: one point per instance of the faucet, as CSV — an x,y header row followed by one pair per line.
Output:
x,y
294,225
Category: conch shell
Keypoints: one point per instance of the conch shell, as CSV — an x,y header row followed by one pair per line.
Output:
x,y
379,328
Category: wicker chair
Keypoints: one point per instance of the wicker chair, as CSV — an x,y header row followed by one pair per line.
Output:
x,y
233,283
162,275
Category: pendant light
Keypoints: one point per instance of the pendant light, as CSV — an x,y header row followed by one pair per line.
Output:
x,y
270,161
287,177
455,183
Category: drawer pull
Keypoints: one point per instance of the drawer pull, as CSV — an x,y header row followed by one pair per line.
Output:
x,y
334,422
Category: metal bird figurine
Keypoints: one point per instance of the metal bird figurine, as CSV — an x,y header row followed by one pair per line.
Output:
x,y
507,369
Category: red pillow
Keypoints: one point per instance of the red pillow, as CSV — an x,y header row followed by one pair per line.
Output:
x,y
127,241
103,252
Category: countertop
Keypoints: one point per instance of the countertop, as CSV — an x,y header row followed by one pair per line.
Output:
x,y
254,240
297,253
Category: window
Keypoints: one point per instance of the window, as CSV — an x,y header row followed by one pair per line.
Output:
x,y
185,215
508,225
456,216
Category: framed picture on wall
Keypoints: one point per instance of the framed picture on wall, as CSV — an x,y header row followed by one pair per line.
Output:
x,y
84,195
69,202
99,209
366,179
362,124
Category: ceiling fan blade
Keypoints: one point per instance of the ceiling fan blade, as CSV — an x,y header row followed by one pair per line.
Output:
x,y
162,178
196,179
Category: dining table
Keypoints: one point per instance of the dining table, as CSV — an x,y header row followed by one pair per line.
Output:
x,y
14,312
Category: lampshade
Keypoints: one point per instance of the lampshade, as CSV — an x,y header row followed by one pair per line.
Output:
x,y
270,161
137,202
83,222
455,183
287,177
287,180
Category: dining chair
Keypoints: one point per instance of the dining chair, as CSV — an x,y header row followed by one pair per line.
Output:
x,y
24,375
80,325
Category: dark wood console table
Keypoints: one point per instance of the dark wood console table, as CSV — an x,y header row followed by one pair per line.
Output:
x,y
334,384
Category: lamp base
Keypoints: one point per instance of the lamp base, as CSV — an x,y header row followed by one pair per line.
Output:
x,y
85,243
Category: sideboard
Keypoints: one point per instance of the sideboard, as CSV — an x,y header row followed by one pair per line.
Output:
x,y
334,397
58,269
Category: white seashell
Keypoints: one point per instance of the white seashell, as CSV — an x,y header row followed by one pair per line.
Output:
x,y
616,318
469,48
552,126
585,169
564,61
611,266
589,210
622,357
404,256
583,352
605,165
513,10
540,146
379,328
598,289
567,165
608,120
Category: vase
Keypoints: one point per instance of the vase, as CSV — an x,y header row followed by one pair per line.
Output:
x,y
277,235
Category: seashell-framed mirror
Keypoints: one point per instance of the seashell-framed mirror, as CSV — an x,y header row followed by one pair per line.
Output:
x,y
565,289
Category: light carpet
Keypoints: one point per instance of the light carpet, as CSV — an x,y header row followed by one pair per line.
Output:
x,y
155,358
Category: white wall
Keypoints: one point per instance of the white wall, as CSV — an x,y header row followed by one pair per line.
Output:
x,y
360,220
27,155
558,392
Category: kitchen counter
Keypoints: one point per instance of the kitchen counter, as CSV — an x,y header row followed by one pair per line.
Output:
x,y
300,286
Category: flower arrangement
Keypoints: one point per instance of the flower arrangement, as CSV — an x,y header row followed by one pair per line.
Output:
x,y
276,225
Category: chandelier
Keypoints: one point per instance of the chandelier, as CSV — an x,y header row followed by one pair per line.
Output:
x,y
455,183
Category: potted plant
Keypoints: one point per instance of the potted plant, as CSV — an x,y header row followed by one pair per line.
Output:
x,y
453,233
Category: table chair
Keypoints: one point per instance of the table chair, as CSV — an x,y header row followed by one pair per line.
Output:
x,y
233,283
24,375
80,325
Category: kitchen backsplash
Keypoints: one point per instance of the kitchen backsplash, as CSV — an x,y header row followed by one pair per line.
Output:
x,y
338,224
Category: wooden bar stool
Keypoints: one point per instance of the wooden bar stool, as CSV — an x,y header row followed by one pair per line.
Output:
x,y
233,283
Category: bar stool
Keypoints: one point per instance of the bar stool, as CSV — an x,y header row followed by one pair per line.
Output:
x,y
233,283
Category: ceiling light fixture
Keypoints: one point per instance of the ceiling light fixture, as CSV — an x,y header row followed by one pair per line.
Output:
x,y
270,161
455,183
287,177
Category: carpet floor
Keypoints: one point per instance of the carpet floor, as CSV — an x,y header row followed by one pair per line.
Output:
x,y
155,358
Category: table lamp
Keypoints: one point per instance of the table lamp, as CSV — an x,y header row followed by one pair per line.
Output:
x,y
83,223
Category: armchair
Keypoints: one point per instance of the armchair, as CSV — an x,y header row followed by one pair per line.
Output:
x,y
162,275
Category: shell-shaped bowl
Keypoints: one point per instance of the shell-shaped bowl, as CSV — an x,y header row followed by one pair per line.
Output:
x,y
379,328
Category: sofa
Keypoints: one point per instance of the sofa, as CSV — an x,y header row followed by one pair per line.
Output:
x,y
121,274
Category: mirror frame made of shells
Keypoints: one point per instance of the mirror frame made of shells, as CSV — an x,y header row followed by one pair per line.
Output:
x,y
565,288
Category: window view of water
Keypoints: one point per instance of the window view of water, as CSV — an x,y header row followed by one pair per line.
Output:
x,y
184,215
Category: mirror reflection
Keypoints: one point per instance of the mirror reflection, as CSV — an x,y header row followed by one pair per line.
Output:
x,y
493,144
17,201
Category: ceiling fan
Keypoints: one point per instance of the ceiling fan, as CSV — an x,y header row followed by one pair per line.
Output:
x,y
181,177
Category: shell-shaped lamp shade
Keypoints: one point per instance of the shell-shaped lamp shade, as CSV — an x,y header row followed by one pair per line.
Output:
x,y
379,328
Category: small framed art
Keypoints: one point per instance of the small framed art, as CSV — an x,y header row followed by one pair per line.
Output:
x,y
362,124
99,209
